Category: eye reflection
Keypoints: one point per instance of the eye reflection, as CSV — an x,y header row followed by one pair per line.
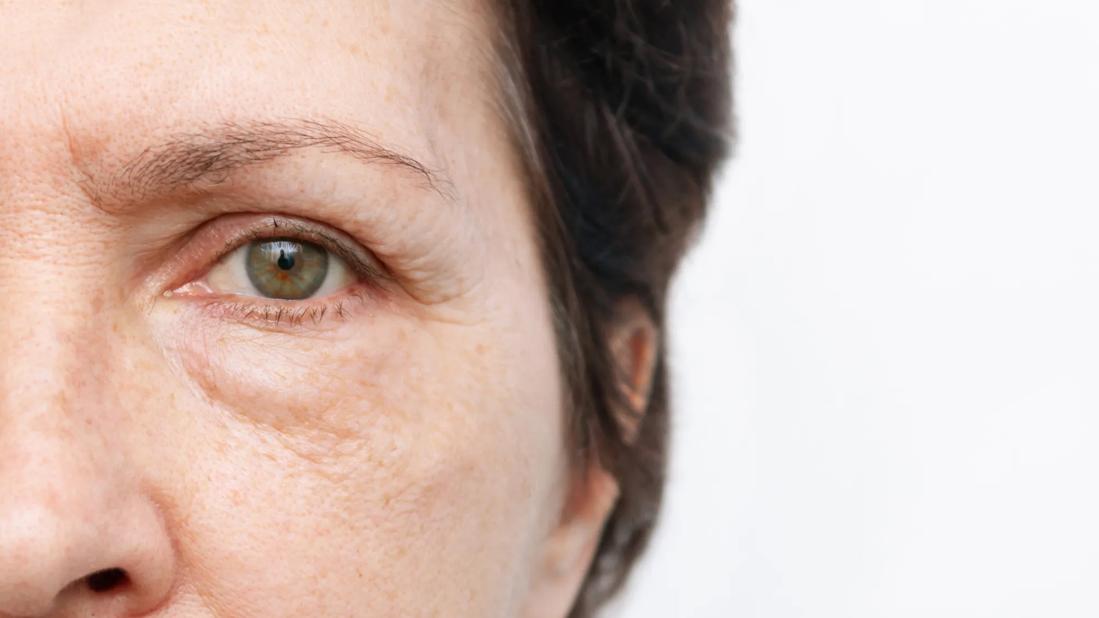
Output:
x,y
286,269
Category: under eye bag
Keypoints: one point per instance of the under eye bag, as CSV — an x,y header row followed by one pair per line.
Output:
x,y
285,268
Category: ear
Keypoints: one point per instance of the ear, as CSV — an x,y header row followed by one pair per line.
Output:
x,y
568,550
635,345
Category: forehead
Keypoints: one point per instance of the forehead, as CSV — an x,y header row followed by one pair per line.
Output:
x,y
108,77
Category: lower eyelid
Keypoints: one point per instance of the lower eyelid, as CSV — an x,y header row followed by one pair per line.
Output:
x,y
282,316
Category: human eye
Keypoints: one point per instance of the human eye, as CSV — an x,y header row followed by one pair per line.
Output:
x,y
284,268
280,271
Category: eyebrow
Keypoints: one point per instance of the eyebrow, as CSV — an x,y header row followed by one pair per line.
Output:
x,y
212,153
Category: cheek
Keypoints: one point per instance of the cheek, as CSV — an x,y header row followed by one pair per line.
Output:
x,y
420,458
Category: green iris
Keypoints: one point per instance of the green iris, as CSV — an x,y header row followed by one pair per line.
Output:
x,y
286,269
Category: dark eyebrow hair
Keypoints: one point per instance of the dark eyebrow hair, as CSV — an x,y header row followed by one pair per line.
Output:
x,y
213,152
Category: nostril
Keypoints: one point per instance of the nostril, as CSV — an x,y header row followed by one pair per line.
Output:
x,y
106,580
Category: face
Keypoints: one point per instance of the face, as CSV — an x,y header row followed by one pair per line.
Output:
x,y
276,341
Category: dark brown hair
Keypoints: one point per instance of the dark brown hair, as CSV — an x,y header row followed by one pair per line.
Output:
x,y
622,116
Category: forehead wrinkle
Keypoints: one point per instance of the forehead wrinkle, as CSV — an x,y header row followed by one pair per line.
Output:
x,y
208,155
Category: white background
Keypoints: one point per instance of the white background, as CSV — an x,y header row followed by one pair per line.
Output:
x,y
886,345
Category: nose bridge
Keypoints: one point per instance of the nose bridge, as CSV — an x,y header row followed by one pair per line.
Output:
x,y
55,401
57,359
57,356
58,466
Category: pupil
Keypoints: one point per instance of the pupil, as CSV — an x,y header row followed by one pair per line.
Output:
x,y
285,262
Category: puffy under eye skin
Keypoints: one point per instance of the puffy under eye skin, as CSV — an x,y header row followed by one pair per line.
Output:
x,y
286,269
281,269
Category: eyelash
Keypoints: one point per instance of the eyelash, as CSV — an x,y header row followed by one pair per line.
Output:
x,y
267,313
273,313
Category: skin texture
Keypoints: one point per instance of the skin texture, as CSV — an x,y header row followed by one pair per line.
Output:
x,y
394,449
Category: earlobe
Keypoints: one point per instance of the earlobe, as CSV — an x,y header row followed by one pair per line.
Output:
x,y
583,521
567,552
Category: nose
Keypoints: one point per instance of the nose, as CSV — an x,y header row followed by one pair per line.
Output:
x,y
81,533
56,562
